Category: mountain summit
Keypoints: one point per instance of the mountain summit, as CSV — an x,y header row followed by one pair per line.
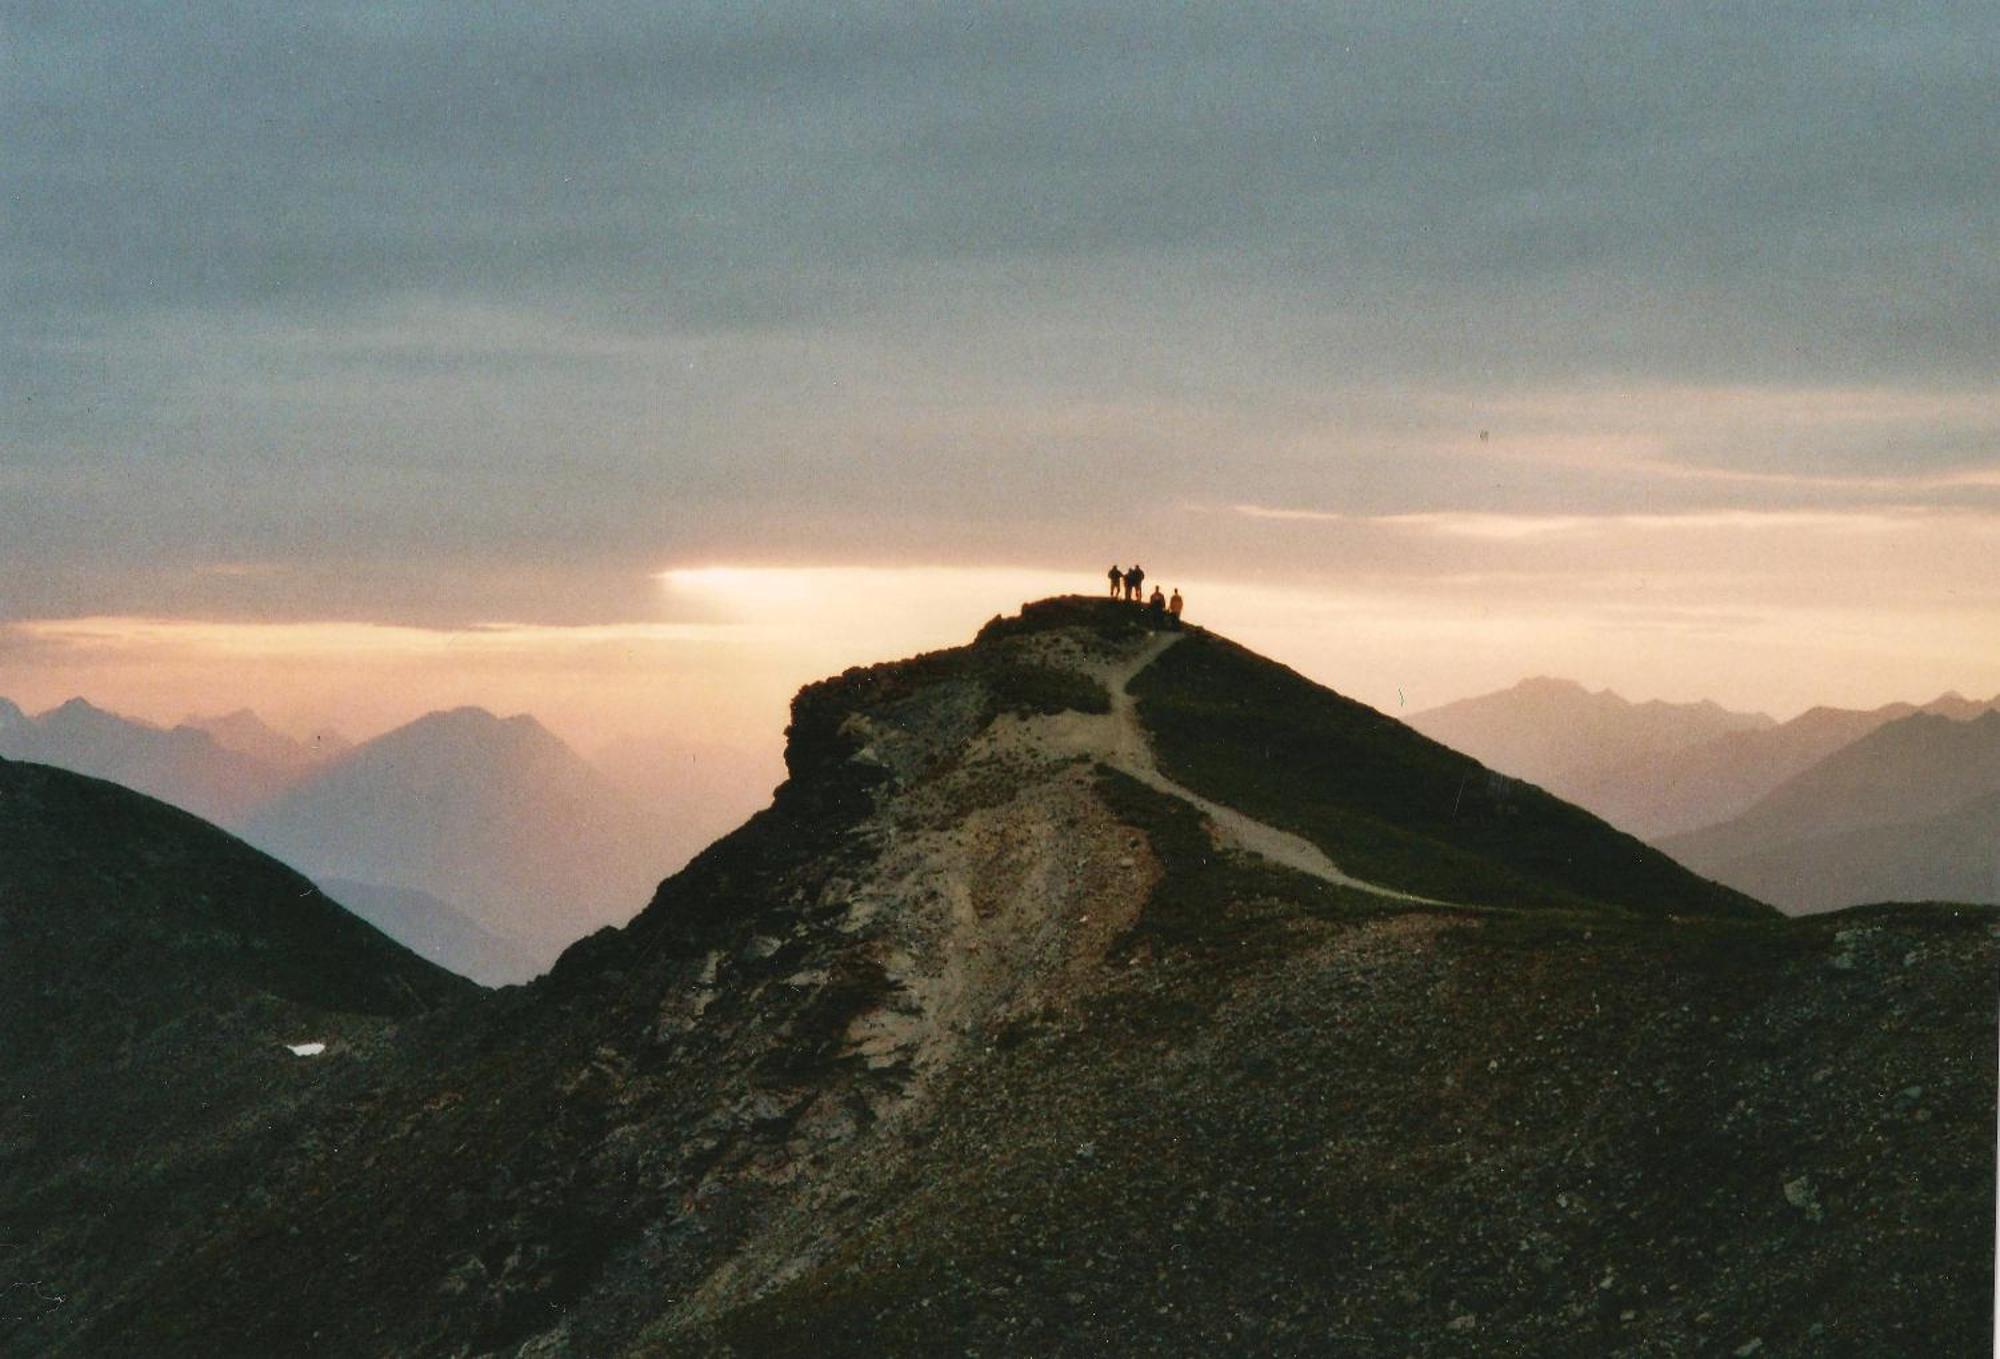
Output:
x,y
1093,990
248,734
495,815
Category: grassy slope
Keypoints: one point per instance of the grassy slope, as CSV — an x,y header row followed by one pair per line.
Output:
x,y
1389,804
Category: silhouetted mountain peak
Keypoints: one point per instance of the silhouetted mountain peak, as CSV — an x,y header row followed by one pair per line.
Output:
x,y
470,714
81,713
244,732
496,815
464,737
471,722
1292,765
467,717
1954,704
1555,684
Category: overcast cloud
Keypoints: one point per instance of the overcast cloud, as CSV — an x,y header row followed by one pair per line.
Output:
x,y
398,311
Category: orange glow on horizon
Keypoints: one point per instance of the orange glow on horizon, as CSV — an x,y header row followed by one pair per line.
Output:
x,y
725,676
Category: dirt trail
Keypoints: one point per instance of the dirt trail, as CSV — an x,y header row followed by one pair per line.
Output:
x,y
1127,750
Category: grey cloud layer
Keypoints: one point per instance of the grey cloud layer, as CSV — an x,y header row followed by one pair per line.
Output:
x,y
810,255
221,155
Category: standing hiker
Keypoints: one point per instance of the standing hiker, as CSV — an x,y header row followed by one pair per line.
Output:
x,y
1156,608
1174,609
1134,579
1117,581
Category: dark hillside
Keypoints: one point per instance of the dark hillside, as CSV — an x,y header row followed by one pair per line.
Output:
x,y
114,904
1389,804
152,970
1407,1134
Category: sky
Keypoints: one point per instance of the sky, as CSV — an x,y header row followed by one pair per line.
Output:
x,y
632,364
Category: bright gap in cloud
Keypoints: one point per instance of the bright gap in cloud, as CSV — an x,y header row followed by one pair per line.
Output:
x,y
1415,615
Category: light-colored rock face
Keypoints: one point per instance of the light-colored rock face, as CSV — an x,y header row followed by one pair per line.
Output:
x,y
979,913
993,915
996,882
1000,877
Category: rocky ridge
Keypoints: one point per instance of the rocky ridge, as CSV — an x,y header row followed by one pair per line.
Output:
x,y
1000,1032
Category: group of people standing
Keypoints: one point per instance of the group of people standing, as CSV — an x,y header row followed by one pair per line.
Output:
x,y
1130,584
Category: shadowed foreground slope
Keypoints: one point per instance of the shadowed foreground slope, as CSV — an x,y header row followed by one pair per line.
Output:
x,y
972,1044
152,969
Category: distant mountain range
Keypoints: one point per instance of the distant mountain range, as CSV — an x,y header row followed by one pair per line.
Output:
x,y
1910,811
1832,808
248,734
1714,780
1565,738
1083,991
186,765
487,845
1953,856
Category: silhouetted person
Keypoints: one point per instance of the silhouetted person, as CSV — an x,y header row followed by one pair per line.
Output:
x,y
1117,581
1156,608
1135,579
1174,608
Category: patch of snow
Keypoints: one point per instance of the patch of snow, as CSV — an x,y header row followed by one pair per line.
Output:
x,y
306,1049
